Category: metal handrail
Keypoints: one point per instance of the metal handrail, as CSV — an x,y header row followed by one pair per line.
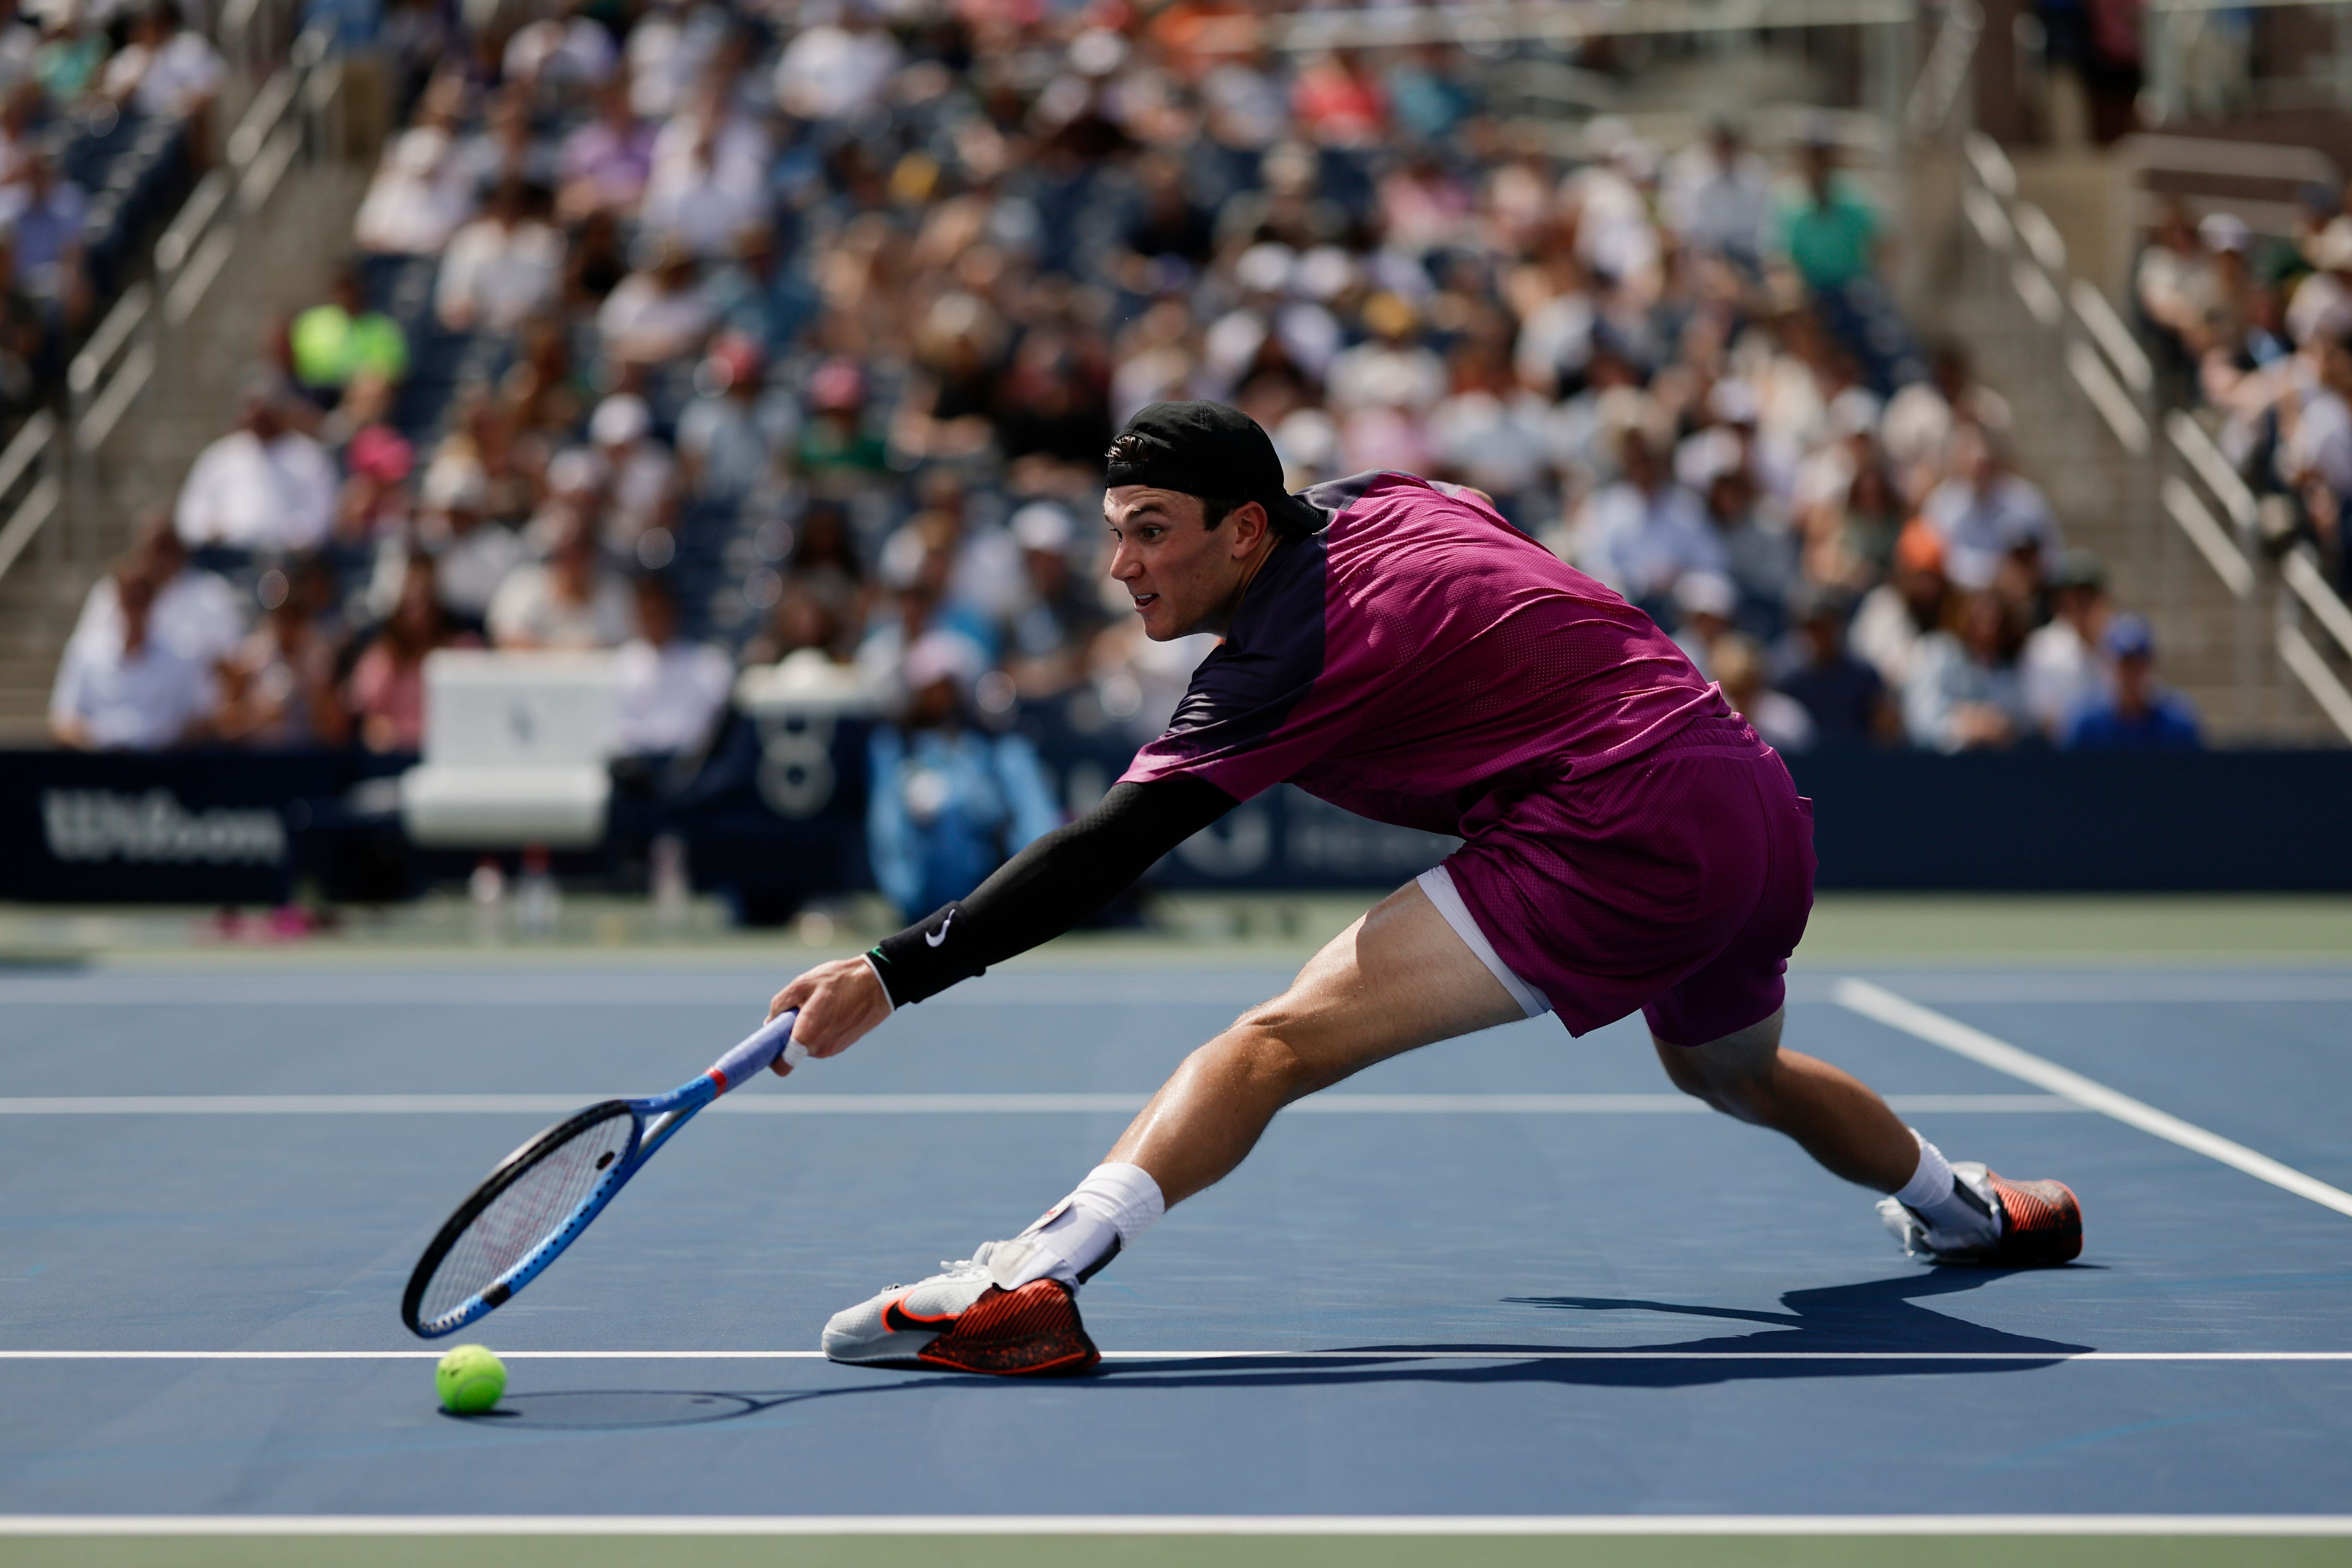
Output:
x,y
1946,74
119,359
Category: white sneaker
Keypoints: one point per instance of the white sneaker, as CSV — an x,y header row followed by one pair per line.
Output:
x,y
2025,1222
966,1319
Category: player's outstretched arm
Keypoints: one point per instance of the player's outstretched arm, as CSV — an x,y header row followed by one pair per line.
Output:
x,y
1052,885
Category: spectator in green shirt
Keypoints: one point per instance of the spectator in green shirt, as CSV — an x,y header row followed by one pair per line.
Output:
x,y
343,339
1829,232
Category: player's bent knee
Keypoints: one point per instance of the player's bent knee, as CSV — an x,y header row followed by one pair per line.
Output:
x,y
1734,1076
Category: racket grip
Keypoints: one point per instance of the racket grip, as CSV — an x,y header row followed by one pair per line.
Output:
x,y
764,1045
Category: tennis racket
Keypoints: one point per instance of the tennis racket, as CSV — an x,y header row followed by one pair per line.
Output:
x,y
544,1194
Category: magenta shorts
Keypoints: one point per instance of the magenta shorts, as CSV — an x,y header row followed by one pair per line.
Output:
x,y
1676,883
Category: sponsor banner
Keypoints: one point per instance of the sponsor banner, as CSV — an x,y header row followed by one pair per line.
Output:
x,y
179,827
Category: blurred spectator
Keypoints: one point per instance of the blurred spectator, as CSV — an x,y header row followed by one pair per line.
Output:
x,y
43,217
263,486
729,435
472,554
835,440
641,475
195,613
1718,196
132,692
2062,664
1705,604
607,161
572,600
421,193
167,70
27,342
1644,531
1965,692
1916,429
1985,511
1060,609
386,692
949,805
281,681
1845,699
657,315
1783,722
375,506
334,341
672,689
501,267
71,53
831,71
2142,715
1829,230
1896,617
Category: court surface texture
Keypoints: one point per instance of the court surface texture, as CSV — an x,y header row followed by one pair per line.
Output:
x,y
1504,1299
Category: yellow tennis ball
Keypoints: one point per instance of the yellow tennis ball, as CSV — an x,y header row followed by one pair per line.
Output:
x,y
469,1379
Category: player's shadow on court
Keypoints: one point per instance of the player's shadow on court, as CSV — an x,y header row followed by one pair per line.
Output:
x,y
1881,1316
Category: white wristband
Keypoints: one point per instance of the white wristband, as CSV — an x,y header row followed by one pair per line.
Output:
x,y
879,980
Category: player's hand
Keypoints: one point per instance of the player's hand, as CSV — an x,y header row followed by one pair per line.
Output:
x,y
839,1002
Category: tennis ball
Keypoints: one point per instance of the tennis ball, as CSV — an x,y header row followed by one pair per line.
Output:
x,y
469,1380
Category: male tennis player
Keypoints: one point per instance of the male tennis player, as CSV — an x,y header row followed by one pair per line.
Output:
x,y
1394,647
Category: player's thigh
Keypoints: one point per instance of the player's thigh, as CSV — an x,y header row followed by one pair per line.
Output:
x,y
1397,979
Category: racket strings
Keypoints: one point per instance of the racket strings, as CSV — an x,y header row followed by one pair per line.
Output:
x,y
529,1209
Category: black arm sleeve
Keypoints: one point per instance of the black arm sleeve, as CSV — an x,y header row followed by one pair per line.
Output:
x,y
1053,884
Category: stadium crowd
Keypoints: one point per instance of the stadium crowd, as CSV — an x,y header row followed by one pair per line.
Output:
x,y
2257,332
793,336
104,109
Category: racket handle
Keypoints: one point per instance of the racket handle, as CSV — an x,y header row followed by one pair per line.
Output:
x,y
765,1043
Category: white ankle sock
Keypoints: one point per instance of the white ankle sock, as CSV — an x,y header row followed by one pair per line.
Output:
x,y
1934,1194
1109,1210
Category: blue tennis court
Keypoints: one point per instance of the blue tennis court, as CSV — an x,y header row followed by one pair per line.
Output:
x,y
1508,1277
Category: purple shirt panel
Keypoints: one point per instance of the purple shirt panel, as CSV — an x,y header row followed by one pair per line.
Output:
x,y
1414,656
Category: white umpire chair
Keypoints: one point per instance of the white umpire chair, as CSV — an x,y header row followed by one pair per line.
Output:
x,y
516,750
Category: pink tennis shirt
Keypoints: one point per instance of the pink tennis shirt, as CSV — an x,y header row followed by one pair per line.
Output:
x,y
1417,654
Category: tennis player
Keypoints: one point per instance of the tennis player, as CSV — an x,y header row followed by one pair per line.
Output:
x,y
1396,648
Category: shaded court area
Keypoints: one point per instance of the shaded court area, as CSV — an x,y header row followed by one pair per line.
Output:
x,y
1510,1286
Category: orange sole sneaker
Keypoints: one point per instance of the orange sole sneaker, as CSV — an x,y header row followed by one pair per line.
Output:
x,y
1032,1331
2042,1223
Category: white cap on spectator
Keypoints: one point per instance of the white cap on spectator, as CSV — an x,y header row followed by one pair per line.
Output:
x,y
577,469
1097,51
620,419
943,656
1042,525
1733,401
1705,594
1707,456
902,559
457,482
1854,412
1265,268
2225,231
1325,272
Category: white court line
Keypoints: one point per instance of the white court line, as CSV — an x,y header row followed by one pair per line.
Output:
x,y
788,1104
1878,1003
1778,1524
2130,988
1362,1355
